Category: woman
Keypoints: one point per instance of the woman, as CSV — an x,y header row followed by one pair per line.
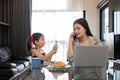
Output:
x,y
35,44
82,36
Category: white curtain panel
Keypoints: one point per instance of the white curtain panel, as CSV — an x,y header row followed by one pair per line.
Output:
x,y
75,5
72,5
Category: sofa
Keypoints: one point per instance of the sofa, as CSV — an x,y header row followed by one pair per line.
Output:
x,y
12,68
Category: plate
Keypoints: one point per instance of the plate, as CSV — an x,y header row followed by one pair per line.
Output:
x,y
63,70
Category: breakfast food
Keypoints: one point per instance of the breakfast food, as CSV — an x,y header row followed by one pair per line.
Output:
x,y
59,64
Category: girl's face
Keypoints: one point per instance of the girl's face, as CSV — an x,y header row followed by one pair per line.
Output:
x,y
40,42
79,30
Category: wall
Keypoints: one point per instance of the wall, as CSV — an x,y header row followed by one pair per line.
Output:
x,y
92,15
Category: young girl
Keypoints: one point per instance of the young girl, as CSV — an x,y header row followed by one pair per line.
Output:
x,y
34,45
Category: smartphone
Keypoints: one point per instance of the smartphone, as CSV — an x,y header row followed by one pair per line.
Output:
x,y
74,36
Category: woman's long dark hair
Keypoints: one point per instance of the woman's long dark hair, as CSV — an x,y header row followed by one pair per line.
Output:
x,y
36,37
83,22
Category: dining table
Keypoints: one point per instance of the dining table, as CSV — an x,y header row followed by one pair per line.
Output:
x,y
48,72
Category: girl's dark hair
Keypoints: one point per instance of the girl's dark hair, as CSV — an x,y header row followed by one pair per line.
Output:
x,y
83,22
36,37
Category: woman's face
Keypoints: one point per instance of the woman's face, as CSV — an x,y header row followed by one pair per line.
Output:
x,y
79,30
40,42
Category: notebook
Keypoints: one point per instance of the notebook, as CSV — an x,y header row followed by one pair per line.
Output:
x,y
90,55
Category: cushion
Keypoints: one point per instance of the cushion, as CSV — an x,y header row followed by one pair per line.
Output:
x,y
4,54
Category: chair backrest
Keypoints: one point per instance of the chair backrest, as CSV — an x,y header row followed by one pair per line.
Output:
x,y
90,55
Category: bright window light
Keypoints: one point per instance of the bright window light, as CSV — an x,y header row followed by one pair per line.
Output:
x,y
49,4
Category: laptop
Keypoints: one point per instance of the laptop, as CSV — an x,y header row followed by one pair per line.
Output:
x,y
90,56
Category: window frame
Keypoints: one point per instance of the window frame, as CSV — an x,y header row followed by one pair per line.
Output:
x,y
101,18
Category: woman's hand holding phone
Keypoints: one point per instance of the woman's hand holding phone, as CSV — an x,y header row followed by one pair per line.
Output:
x,y
72,36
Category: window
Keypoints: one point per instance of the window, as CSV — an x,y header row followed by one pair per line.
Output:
x,y
116,22
104,17
55,22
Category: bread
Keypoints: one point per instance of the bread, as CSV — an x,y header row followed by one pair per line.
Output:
x,y
59,64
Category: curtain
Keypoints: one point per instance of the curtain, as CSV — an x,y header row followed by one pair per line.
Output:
x,y
75,5
20,21
56,26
